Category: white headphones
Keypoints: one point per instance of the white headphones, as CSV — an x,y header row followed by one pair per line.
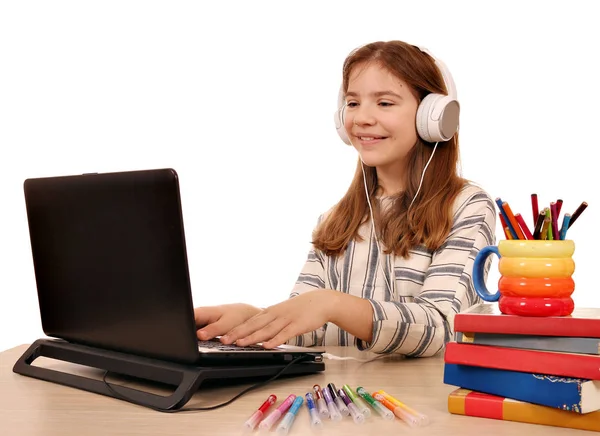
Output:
x,y
437,115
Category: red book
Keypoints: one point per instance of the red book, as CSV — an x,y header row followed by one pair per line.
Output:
x,y
487,318
585,366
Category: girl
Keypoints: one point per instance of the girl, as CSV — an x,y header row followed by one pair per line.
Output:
x,y
391,263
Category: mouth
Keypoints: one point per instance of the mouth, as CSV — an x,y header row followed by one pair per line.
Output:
x,y
370,139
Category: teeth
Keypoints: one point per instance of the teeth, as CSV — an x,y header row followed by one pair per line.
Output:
x,y
367,138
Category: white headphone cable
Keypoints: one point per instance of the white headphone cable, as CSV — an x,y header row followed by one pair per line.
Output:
x,y
362,166
392,289
334,357
423,175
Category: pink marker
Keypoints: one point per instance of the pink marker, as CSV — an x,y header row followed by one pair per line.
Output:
x,y
268,422
250,424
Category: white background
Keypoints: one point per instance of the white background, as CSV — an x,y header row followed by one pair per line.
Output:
x,y
238,97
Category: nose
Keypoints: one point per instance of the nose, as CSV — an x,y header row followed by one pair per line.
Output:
x,y
363,116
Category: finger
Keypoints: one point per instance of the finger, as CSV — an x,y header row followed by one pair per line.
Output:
x,y
206,315
255,323
282,337
264,334
212,330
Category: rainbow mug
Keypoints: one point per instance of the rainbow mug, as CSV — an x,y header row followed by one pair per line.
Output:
x,y
536,277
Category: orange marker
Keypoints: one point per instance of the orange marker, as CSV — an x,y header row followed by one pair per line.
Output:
x,y
512,220
401,410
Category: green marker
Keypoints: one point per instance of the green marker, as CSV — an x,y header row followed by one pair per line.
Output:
x,y
380,408
364,409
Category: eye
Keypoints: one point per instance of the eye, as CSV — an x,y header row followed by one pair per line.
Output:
x,y
386,103
351,104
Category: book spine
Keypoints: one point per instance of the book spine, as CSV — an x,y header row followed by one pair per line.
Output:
x,y
559,392
538,362
527,325
469,403
527,342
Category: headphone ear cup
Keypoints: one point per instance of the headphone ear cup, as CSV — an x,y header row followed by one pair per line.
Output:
x,y
437,118
339,126
423,116
338,118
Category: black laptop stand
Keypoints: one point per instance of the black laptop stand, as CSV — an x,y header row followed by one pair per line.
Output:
x,y
186,378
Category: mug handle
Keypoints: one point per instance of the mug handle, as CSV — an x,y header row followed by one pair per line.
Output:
x,y
478,277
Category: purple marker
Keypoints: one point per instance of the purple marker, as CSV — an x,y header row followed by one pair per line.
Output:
x,y
356,415
340,403
334,413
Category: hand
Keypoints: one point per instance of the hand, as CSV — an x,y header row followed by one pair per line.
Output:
x,y
217,320
276,324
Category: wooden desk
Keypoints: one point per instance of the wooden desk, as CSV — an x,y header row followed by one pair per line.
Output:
x,y
34,407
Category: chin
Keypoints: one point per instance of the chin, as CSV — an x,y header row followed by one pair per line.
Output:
x,y
371,161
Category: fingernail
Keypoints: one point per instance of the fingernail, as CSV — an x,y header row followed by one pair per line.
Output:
x,y
225,338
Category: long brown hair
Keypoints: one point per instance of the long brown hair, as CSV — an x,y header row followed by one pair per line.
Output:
x,y
429,220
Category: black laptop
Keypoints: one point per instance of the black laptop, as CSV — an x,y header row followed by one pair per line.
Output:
x,y
111,269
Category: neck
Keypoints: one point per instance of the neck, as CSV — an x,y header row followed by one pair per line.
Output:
x,y
390,179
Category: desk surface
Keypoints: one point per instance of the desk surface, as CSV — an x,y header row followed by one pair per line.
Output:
x,y
33,407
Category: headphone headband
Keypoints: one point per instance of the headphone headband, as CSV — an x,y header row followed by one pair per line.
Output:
x,y
448,80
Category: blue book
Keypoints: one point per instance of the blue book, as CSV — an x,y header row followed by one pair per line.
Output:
x,y
574,394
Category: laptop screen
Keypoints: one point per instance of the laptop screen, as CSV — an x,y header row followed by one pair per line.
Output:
x,y
110,262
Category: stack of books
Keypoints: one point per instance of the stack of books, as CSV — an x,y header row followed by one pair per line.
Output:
x,y
540,370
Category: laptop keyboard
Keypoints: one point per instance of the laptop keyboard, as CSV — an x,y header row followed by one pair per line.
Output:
x,y
216,345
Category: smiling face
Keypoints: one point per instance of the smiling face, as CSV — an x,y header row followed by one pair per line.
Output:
x,y
380,117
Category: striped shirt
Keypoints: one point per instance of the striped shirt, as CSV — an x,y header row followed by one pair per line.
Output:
x,y
416,316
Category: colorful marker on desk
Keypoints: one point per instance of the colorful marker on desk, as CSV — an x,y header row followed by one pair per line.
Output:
x,y
401,410
315,421
334,413
362,407
340,403
258,415
379,408
411,420
352,409
287,421
321,404
268,422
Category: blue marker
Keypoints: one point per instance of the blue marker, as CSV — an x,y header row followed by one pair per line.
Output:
x,y
315,421
287,421
565,226
511,229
